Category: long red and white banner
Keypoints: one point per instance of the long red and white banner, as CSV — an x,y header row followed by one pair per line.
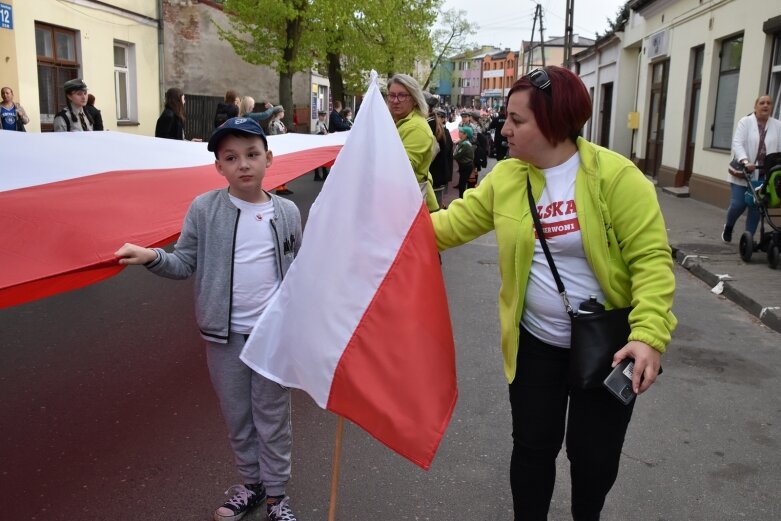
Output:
x,y
68,200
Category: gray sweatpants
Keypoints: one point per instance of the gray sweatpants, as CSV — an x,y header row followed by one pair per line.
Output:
x,y
257,414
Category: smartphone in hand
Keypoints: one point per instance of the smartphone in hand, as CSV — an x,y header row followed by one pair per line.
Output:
x,y
619,381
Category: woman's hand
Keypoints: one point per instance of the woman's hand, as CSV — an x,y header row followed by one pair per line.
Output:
x,y
647,364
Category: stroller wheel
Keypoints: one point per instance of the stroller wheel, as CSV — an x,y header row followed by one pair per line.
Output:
x,y
746,246
773,255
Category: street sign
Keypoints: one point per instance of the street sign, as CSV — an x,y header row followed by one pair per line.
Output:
x,y
6,17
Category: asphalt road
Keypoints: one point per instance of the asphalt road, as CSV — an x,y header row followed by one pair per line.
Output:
x,y
107,413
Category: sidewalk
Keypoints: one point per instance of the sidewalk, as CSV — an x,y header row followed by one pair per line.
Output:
x,y
694,230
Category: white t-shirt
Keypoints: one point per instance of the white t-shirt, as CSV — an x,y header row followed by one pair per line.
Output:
x,y
255,271
544,314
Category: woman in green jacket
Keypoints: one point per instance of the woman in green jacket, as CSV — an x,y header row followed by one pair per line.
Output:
x,y
409,109
603,225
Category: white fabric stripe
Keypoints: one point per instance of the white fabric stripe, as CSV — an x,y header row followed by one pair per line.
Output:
x,y
31,158
354,231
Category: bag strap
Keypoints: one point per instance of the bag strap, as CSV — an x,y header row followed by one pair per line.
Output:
x,y
548,256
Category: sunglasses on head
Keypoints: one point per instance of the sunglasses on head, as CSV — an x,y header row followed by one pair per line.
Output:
x,y
539,78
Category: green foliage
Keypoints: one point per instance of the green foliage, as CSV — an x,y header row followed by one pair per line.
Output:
x,y
385,35
282,34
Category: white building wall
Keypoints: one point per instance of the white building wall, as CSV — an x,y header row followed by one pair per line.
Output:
x,y
690,24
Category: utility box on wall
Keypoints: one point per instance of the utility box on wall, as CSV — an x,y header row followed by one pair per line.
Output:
x,y
633,120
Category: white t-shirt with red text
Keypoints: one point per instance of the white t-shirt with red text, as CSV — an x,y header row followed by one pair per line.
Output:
x,y
544,314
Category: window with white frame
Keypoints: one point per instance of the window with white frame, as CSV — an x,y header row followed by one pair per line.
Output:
x,y
125,81
774,83
727,93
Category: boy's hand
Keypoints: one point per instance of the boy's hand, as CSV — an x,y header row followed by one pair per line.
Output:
x,y
132,254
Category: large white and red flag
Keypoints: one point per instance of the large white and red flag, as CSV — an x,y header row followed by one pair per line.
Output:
x,y
69,200
361,321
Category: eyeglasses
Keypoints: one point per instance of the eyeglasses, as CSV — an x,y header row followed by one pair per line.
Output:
x,y
539,78
401,98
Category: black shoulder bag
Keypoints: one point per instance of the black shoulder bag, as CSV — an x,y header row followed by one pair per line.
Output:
x,y
596,336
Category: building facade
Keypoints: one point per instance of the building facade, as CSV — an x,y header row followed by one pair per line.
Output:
x,y
111,45
536,55
699,67
499,74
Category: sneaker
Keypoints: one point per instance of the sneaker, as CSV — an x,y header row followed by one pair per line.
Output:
x,y
242,500
280,511
726,235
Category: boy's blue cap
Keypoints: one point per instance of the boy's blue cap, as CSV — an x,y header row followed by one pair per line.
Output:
x,y
242,125
466,130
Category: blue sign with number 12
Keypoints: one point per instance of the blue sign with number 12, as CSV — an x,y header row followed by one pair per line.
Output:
x,y
6,17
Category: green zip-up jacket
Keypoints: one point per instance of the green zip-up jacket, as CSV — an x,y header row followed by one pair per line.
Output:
x,y
419,142
624,238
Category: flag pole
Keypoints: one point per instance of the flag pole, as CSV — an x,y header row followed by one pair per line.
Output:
x,y
335,468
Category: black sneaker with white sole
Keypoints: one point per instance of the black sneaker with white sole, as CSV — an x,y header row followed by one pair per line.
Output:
x,y
726,234
243,498
280,510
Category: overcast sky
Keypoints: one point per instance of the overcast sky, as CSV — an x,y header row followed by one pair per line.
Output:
x,y
505,23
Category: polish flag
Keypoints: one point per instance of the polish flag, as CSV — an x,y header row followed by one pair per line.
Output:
x,y
361,321
69,200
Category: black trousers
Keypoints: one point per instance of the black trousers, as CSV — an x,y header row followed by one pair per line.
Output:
x,y
542,405
464,171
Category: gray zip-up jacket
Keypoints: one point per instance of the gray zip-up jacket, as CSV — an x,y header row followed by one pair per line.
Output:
x,y
206,246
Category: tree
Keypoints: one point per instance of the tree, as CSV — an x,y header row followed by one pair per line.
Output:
x,y
283,34
387,36
450,38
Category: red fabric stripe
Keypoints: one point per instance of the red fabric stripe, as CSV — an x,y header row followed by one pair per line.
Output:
x,y
383,380
61,236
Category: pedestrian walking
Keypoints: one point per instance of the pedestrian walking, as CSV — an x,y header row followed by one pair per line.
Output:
x,y
756,135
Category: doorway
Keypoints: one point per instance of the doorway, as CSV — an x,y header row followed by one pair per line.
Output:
x,y
658,102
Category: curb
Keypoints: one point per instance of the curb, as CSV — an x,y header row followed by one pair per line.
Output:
x,y
771,317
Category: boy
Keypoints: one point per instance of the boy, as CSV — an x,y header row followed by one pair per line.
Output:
x,y
321,129
242,241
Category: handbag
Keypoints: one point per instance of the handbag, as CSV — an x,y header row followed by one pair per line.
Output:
x,y
595,336
736,168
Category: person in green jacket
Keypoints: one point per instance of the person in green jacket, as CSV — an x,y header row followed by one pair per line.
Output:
x,y
464,156
409,110
602,221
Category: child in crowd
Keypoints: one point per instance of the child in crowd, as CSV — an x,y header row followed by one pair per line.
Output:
x,y
321,129
464,156
242,240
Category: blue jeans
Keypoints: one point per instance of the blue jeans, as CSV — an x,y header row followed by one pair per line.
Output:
x,y
737,205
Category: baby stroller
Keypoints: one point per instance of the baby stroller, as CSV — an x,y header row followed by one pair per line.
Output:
x,y
764,195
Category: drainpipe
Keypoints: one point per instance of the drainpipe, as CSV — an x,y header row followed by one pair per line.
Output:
x,y
160,53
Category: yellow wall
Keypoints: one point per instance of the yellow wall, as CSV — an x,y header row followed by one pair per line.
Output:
x,y
97,29
9,75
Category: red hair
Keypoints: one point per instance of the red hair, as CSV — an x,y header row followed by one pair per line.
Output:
x,y
560,110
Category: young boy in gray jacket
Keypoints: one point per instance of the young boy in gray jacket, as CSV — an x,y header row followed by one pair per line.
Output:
x,y
242,240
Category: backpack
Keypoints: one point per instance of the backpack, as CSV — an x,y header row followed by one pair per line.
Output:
x,y
64,115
